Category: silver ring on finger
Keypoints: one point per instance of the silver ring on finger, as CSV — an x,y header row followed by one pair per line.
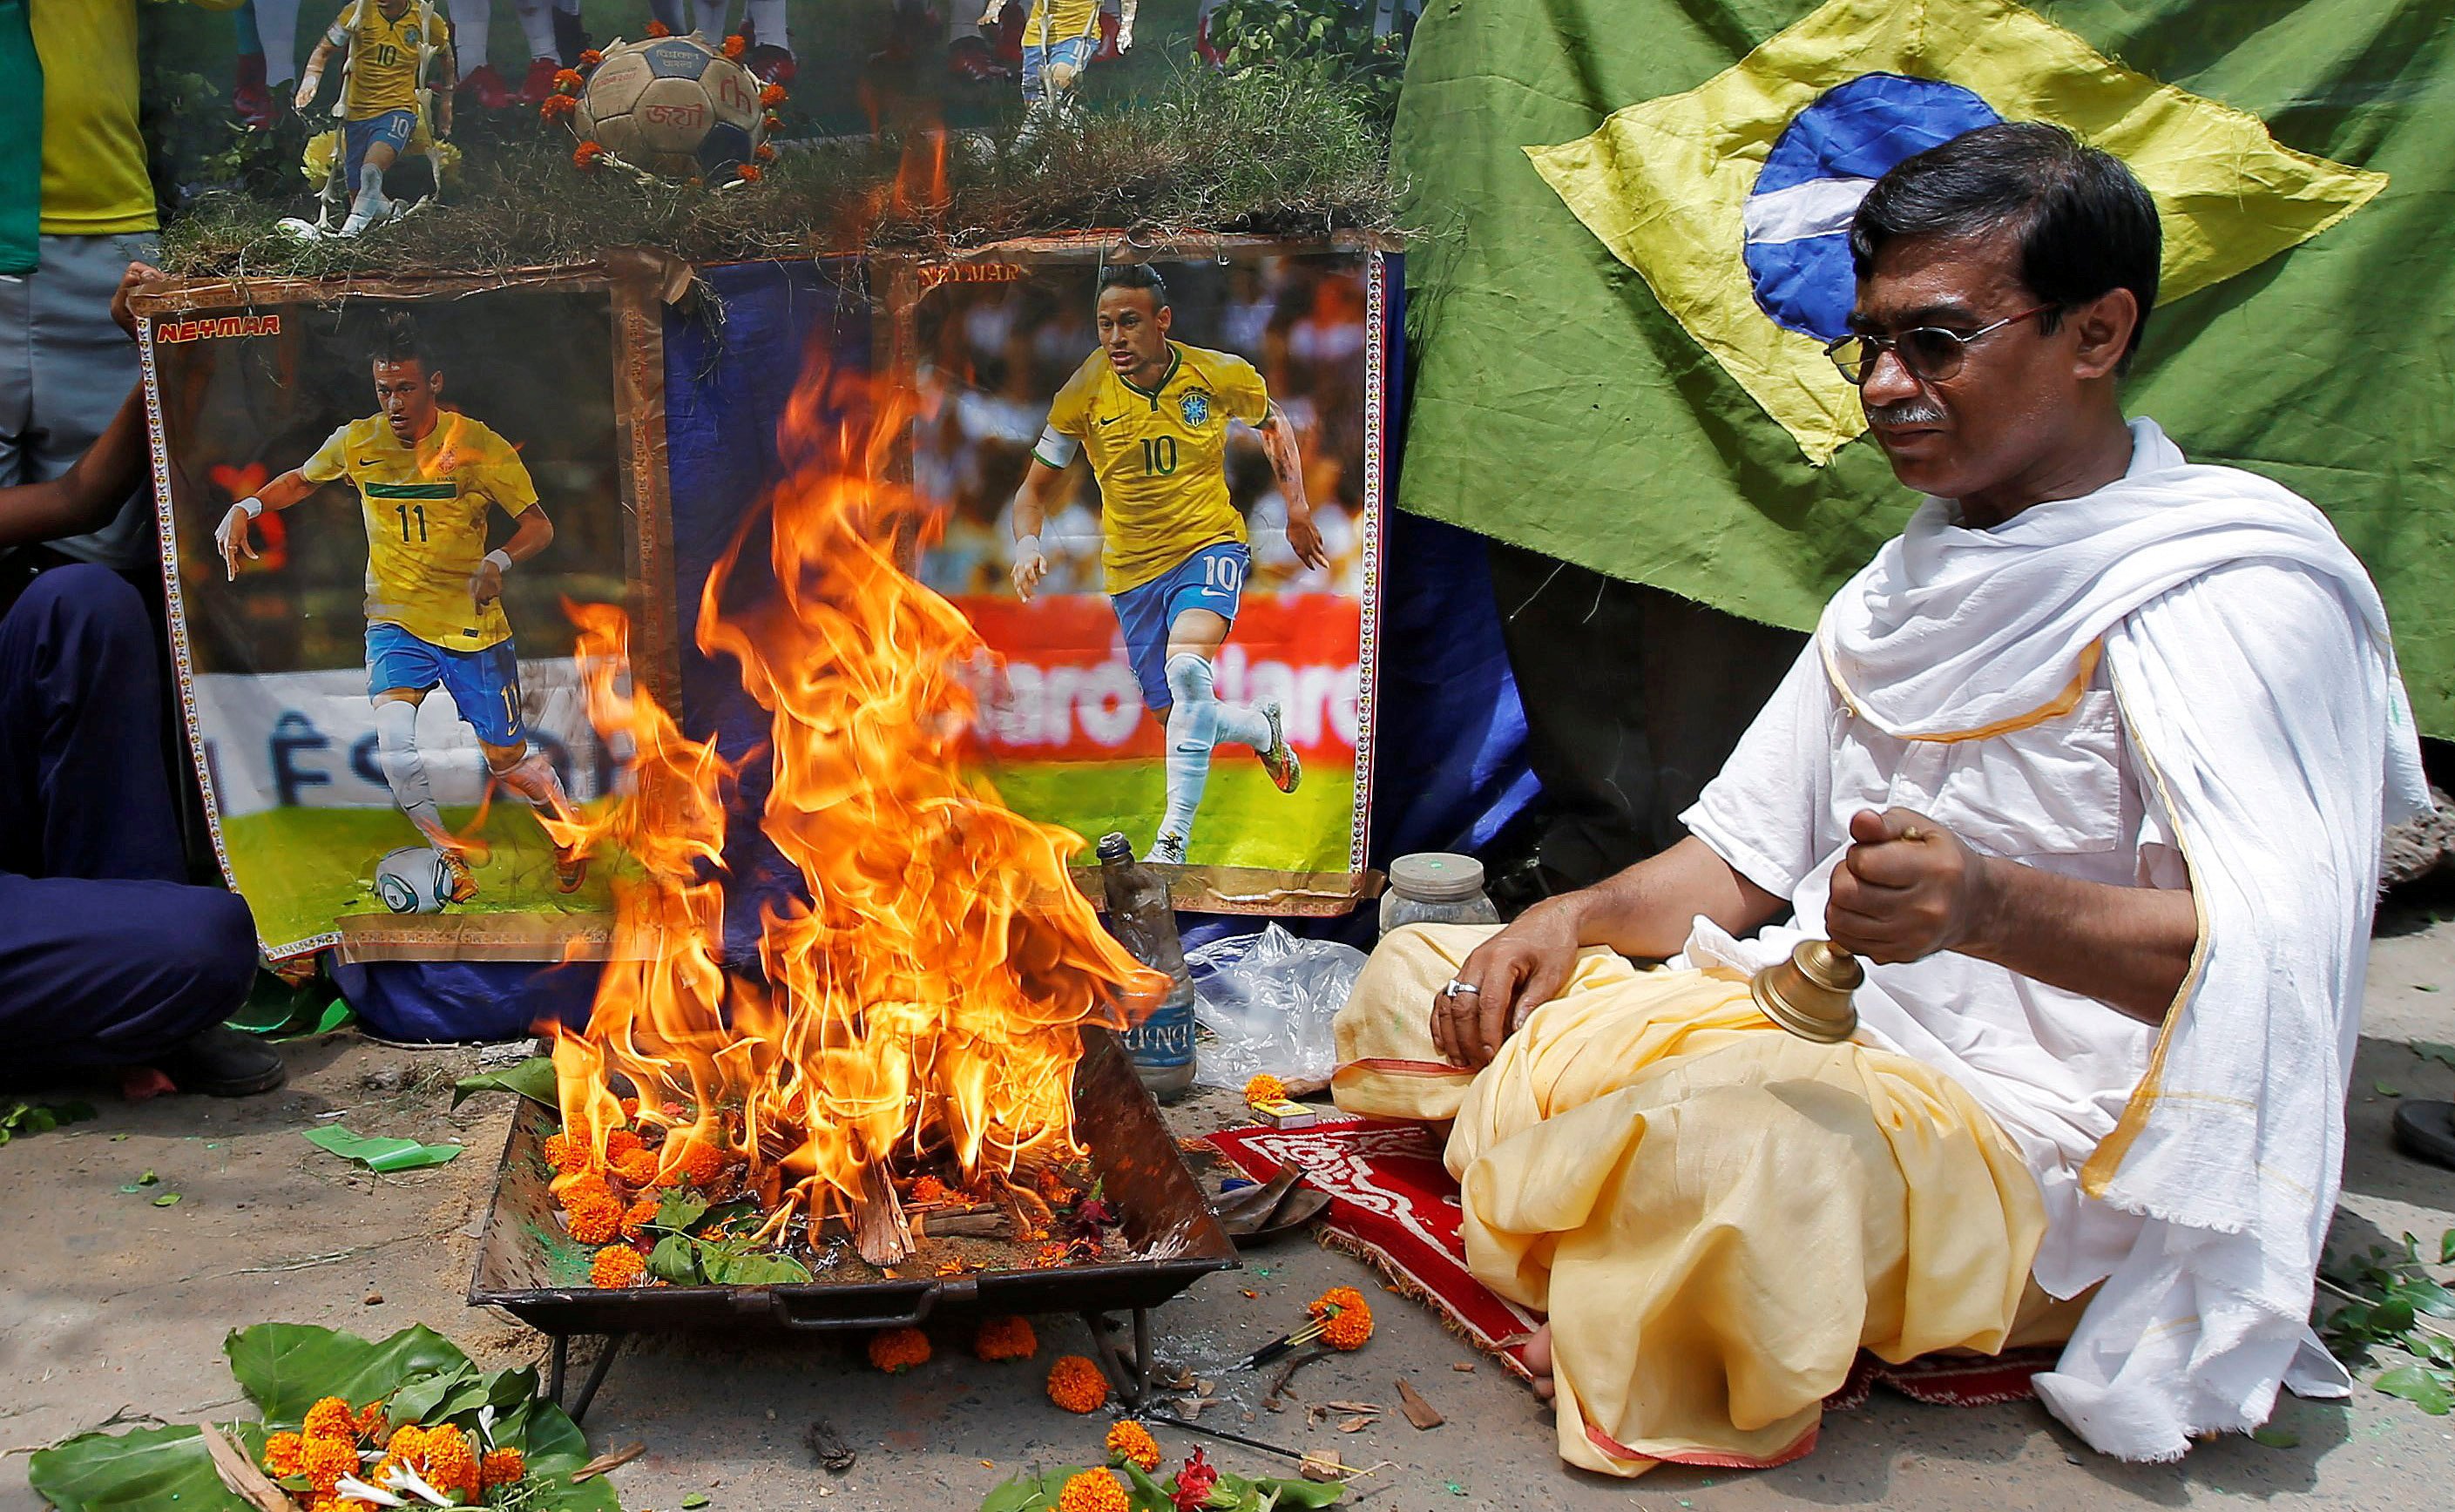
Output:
x,y
1455,987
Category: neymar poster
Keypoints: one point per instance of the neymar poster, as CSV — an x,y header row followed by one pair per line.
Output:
x,y
1156,482
375,502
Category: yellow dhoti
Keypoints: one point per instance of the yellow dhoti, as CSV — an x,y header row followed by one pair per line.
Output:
x,y
1716,1213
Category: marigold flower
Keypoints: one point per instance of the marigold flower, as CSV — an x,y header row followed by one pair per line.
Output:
x,y
1093,1491
1348,1322
586,153
371,1422
584,1190
771,122
618,1265
899,1349
1005,1338
451,1464
928,1189
1077,1384
735,45
701,1164
630,1106
595,1220
282,1454
565,1154
323,1461
589,58
331,1418
568,81
764,152
405,1441
636,1217
747,172
772,96
501,1467
557,107
637,1168
622,1143
1264,1088
658,28
1129,1443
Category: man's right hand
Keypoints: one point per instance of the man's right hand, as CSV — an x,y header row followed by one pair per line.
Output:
x,y
234,538
1030,566
1512,974
308,85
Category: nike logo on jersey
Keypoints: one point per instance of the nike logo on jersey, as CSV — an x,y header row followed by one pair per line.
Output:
x,y
1113,419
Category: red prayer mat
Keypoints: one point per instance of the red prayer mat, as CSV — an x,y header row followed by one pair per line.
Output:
x,y
1393,1205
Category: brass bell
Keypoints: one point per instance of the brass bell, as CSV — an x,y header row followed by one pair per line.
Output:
x,y
1809,993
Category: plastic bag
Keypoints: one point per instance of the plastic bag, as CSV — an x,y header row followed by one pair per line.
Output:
x,y
1270,998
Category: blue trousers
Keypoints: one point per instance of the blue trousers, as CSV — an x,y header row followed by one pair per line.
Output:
x,y
108,958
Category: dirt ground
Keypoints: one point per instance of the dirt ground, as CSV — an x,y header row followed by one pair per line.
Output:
x,y
113,1306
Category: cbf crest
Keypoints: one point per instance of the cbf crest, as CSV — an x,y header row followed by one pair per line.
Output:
x,y
1195,407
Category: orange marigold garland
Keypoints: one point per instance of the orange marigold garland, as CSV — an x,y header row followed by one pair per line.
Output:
x,y
1005,1338
735,45
1129,1443
1093,1491
898,1350
1077,1384
747,172
587,154
658,28
500,1467
618,1265
284,1455
766,152
1264,1088
568,80
772,96
589,58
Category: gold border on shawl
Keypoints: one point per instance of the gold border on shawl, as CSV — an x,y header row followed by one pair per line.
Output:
x,y
2054,708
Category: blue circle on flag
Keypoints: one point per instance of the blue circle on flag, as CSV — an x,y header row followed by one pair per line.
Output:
x,y
1823,163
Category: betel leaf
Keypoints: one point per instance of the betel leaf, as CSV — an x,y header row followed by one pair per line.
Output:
x,y
377,1153
695,1501
675,1260
726,1266
679,1211
423,1398
285,1367
2419,1386
163,1467
532,1078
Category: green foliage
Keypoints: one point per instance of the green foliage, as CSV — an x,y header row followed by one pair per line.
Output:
x,y
418,1376
1331,40
193,142
729,1261
532,1078
2385,1298
22,1119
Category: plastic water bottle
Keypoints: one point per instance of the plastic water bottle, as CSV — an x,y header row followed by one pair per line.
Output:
x,y
1142,918
1435,887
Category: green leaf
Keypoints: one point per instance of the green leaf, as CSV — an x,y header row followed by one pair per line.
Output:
x,y
2432,1050
2419,1386
675,1260
731,1267
679,1211
697,1499
1302,1493
285,1367
378,1154
1031,1493
151,1468
2385,1091
2276,1438
421,1398
146,1179
2447,1247
532,1078
165,1200
2430,1296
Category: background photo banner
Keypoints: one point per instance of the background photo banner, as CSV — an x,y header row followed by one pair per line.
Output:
x,y
540,402
1635,223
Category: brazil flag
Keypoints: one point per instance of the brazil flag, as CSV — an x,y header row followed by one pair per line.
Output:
x,y
1631,250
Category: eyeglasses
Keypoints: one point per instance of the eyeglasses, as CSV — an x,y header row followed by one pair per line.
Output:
x,y
1929,351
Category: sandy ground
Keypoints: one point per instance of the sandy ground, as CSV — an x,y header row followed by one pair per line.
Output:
x,y
114,1305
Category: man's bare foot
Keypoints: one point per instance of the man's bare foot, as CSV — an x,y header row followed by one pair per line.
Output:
x,y
1539,1359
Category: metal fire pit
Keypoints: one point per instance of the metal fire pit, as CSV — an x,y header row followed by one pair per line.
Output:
x,y
1159,1205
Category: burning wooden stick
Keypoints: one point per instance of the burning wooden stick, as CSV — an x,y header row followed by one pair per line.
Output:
x,y
878,1230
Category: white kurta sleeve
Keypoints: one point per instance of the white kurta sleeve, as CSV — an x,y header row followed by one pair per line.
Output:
x,y
1763,812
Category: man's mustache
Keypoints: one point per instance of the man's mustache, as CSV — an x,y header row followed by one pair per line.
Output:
x,y
1909,412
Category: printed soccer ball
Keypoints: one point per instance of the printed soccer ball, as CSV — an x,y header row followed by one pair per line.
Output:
x,y
673,105
412,880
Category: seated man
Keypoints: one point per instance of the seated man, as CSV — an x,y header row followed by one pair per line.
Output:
x,y
2090,766
108,959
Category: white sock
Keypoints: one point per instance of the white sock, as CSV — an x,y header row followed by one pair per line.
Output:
x,y
276,31
370,192
469,18
533,780
767,18
536,24
709,18
404,770
1192,729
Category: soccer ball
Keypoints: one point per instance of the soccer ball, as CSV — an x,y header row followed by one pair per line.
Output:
x,y
674,104
412,880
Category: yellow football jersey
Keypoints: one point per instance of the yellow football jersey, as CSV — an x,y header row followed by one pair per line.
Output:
x,y
1160,455
1061,21
383,56
426,520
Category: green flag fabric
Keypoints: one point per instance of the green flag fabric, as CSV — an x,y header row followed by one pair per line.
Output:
x,y
1632,251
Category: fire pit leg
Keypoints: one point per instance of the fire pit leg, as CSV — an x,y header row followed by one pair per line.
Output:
x,y
1131,1376
561,1367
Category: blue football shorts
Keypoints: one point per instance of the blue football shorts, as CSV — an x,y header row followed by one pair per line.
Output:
x,y
1076,51
484,685
1212,579
393,128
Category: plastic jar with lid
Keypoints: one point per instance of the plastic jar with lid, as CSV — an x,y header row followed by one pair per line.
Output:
x,y
1435,887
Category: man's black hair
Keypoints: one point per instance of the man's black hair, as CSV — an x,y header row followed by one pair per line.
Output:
x,y
1136,275
2084,222
397,340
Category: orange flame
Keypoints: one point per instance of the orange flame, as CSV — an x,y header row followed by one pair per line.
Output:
x,y
931,991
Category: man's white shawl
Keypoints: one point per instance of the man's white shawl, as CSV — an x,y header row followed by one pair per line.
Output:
x,y
2268,708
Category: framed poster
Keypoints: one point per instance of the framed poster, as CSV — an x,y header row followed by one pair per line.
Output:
x,y
375,499
1155,481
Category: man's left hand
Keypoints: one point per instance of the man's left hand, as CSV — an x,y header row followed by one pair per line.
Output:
x,y
486,584
138,277
1304,538
1907,888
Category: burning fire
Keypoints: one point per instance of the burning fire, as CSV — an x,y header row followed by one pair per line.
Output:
x,y
925,1004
